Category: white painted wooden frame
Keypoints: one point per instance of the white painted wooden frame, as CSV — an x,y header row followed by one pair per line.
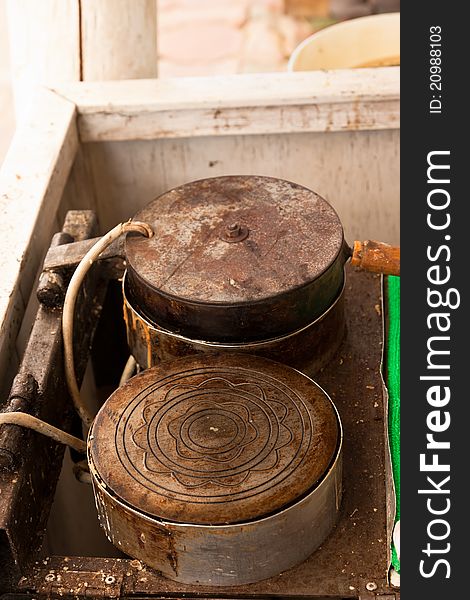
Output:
x,y
38,166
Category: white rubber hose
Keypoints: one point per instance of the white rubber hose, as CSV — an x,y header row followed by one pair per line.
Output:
x,y
25,420
69,308
128,370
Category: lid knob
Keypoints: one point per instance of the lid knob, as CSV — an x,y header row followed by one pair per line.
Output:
x,y
234,232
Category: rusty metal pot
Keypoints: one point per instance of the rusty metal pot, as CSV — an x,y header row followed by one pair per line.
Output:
x,y
239,259
151,344
244,264
236,259
217,470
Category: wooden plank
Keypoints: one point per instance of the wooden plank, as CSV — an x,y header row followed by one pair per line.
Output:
x,y
118,39
233,91
32,180
26,494
239,121
351,100
77,194
44,45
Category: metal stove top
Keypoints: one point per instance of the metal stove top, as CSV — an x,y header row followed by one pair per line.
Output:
x,y
352,562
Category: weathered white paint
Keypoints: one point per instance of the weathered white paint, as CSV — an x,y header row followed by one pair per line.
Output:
x,y
118,39
234,91
44,45
78,193
32,180
73,40
357,172
349,100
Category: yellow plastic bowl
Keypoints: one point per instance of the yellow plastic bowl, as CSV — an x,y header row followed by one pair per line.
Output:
x,y
372,41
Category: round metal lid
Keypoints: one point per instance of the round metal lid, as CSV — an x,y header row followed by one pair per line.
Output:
x,y
234,239
214,439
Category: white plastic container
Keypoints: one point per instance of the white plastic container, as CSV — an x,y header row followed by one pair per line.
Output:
x,y
372,41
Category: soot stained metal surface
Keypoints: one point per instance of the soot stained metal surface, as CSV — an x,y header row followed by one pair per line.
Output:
x,y
150,344
214,439
228,250
294,236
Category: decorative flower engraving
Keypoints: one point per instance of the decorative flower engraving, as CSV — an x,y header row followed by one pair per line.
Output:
x,y
213,435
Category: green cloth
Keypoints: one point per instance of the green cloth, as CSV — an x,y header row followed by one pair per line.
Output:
x,y
393,383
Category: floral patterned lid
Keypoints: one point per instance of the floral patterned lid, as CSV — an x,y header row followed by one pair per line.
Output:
x,y
214,439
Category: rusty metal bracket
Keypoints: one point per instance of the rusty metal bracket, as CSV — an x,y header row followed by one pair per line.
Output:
x,y
67,249
52,285
62,260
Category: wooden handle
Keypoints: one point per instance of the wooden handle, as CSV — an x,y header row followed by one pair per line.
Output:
x,y
376,257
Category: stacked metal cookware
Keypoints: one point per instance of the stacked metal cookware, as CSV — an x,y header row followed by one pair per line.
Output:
x,y
220,463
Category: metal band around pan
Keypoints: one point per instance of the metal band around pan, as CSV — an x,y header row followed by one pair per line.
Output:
x,y
225,555
307,349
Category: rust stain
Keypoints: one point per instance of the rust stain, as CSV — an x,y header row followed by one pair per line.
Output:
x,y
321,337
196,278
172,554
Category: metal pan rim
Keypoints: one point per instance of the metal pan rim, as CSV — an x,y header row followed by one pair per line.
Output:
x,y
330,471
229,345
344,249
